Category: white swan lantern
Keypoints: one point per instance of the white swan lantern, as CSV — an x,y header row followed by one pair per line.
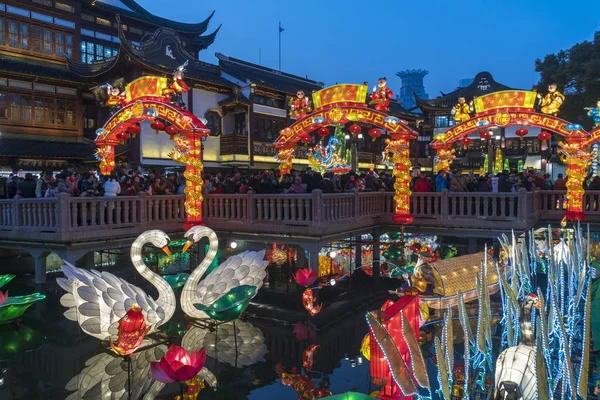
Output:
x,y
98,300
226,292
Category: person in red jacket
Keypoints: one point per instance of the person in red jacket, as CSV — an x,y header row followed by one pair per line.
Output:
x,y
422,184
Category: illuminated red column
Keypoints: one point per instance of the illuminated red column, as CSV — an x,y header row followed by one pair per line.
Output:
x,y
401,158
193,179
578,160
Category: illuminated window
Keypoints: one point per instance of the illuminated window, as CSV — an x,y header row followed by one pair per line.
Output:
x,y
441,121
102,21
91,52
213,123
37,110
64,7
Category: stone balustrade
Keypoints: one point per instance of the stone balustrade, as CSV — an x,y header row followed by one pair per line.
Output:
x,y
67,219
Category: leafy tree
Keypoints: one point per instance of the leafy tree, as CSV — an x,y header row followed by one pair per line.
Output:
x,y
576,71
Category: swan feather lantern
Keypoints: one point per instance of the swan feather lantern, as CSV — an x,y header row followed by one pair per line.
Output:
x,y
98,300
226,292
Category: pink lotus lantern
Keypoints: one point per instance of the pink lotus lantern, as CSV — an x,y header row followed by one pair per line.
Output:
x,y
178,365
306,277
3,298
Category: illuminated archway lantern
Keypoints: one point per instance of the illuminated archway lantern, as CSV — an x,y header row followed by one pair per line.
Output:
x,y
516,107
466,141
485,135
521,133
340,104
149,99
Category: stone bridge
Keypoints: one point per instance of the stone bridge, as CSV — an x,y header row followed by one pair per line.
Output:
x,y
75,226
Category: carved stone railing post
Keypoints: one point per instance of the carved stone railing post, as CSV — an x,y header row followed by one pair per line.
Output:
x,y
142,205
522,206
317,205
357,200
250,207
63,211
444,205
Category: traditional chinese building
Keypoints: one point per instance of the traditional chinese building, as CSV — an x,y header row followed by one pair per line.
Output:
x,y
437,118
57,57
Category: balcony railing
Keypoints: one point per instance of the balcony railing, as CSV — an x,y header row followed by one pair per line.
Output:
x,y
67,219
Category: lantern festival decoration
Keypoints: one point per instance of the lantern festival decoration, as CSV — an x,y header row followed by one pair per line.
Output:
x,y
178,365
466,141
544,136
300,105
97,313
12,308
381,95
577,161
521,133
443,158
131,332
157,125
331,157
306,139
355,129
485,135
552,101
284,157
400,156
374,133
306,277
323,131
226,292
134,130
159,100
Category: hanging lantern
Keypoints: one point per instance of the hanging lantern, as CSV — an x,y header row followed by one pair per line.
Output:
x,y
544,136
466,141
374,133
134,130
157,125
485,135
521,132
122,137
172,131
354,129
323,131
306,139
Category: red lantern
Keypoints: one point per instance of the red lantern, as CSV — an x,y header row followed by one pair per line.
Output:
x,y
485,135
157,126
466,141
306,139
374,133
323,131
354,128
172,130
122,137
544,136
134,130
521,132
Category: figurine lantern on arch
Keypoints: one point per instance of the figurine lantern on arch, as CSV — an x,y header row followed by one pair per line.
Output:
x,y
339,105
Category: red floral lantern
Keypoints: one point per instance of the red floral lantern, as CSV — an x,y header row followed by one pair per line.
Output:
x,y
485,135
544,136
521,132
134,130
157,126
466,141
323,131
172,130
306,139
354,129
374,133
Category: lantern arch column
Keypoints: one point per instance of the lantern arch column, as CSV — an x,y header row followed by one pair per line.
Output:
x,y
575,155
399,153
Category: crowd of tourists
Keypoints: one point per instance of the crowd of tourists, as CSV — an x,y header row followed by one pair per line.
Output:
x,y
457,181
268,182
123,182
118,182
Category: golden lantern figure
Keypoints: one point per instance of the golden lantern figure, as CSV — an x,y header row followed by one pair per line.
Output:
x,y
577,161
445,156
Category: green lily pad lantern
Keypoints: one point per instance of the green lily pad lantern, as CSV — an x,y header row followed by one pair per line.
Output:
x,y
12,308
230,306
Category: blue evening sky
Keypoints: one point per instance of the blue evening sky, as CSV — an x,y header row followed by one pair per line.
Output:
x,y
360,40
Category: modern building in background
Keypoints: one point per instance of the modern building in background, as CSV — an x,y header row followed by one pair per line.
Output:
x,y
412,83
